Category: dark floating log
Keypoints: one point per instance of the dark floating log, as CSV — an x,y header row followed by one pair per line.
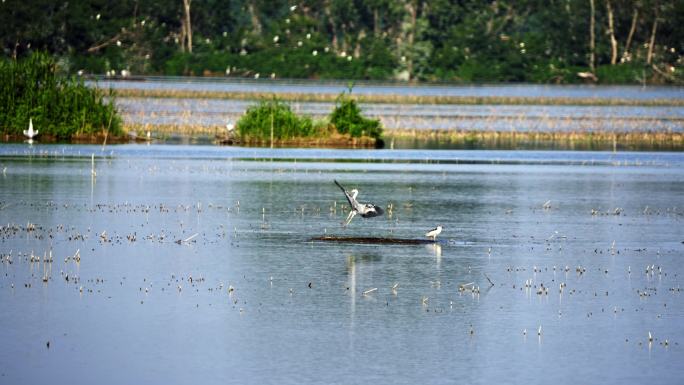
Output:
x,y
374,240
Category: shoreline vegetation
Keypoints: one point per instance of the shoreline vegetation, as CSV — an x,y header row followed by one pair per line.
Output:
x,y
62,107
404,138
571,140
398,99
447,139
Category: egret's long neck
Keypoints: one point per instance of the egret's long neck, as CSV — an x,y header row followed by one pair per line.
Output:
x,y
354,193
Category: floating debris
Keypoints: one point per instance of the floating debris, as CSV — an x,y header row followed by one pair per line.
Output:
x,y
370,291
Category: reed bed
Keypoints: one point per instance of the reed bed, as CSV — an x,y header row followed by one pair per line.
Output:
x,y
525,122
330,139
571,140
165,130
482,139
59,107
333,140
400,99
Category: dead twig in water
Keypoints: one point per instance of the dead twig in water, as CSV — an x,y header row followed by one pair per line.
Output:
x,y
187,240
490,281
464,286
370,291
104,143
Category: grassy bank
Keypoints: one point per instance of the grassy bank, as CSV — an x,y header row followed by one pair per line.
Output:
x,y
329,139
452,139
511,140
401,99
60,107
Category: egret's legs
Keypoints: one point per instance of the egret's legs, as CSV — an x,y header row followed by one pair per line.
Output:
x,y
349,218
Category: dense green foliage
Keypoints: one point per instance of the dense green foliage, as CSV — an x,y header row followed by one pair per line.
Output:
x,y
260,119
347,119
60,107
436,40
275,115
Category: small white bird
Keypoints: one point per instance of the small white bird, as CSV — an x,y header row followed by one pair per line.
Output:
x,y
434,232
230,127
30,133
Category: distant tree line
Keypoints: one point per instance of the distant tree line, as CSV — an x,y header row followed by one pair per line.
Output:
x,y
546,41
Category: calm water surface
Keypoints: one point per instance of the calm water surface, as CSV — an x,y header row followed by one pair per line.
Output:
x,y
250,299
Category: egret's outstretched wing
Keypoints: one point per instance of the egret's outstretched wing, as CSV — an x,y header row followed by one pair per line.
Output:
x,y
350,199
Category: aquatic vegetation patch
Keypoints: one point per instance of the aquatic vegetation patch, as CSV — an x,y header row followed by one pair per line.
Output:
x,y
347,118
273,119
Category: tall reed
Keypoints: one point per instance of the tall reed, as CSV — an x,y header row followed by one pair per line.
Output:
x,y
60,107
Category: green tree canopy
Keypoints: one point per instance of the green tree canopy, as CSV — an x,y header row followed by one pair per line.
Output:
x,y
437,40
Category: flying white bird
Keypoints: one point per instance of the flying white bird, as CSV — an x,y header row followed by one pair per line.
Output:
x,y
434,232
366,210
30,133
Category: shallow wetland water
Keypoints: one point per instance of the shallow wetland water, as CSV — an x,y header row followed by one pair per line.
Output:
x,y
194,264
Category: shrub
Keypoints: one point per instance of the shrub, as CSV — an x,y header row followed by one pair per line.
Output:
x,y
347,118
257,122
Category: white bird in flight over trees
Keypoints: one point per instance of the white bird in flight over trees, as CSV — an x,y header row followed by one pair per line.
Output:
x,y
434,232
366,210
